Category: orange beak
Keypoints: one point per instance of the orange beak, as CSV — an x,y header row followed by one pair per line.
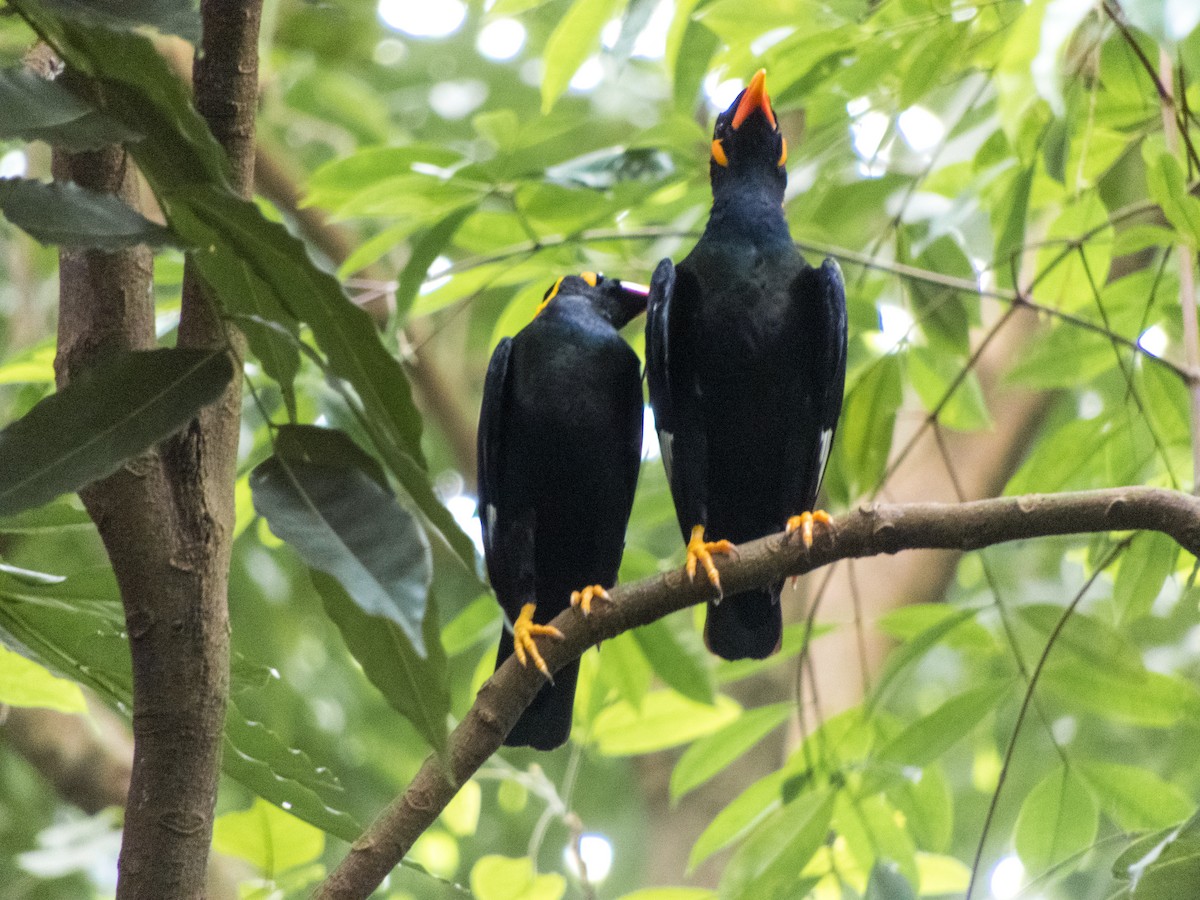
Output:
x,y
754,98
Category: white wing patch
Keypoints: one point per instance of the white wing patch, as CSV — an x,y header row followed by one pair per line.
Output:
x,y
825,446
666,441
491,522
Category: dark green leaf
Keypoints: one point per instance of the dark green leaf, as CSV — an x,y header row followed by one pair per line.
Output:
x,y
63,213
107,415
887,883
38,109
261,762
425,249
345,524
1088,638
415,686
179,17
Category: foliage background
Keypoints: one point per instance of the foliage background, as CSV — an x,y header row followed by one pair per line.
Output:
x,y
970,164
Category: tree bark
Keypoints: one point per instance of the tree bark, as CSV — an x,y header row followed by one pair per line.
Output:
x,y
166,518
870,530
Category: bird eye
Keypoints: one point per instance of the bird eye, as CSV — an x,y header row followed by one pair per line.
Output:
x,y
782,151
718,153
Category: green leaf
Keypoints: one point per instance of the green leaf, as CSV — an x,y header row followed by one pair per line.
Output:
x,y
504,878
887,883
624,666
671,893
425,249
1058,819
710,755
1169,866
1152,700
934,375
576,36
942,311
1136,798
24,682
678,658
65,214
740,815
105,416
344,523
792,642
1063,279
779,848
1087,638
901,658
926,739
39,109
180,17
868,420
665,719
1145,567
415,685
268,838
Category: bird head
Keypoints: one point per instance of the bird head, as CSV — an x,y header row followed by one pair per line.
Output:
x,y
618,302
747,145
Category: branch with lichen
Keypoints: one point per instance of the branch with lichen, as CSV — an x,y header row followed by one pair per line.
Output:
x,y
870,530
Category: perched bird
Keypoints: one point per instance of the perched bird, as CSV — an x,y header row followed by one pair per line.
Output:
x,y
746,360
560,437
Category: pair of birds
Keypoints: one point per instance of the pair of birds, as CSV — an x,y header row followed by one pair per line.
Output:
x,y
746,360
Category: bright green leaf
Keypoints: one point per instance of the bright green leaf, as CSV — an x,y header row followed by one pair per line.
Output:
x,y
778,848
665,719
503,878
1144,568
1058,819
575,37
268,838
25,683
710,755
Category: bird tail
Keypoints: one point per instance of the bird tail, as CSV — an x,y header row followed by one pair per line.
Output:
x,y
745,626
546,724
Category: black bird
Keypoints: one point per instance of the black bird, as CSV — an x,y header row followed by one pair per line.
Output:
x,y
746,359
560,438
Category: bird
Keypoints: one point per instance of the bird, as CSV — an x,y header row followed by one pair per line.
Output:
x,y
746,365
560,437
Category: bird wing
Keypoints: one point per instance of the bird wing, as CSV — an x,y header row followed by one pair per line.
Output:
x,y
675,391
821,294
507,531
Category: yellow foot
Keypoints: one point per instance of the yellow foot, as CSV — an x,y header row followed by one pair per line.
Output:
x,y
701,551
524,630
804,524
583,599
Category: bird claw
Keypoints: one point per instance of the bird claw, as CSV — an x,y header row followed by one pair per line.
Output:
x,y
701,551
583,598
804,524
524,631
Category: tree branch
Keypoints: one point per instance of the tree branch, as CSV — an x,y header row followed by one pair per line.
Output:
x,y
870,530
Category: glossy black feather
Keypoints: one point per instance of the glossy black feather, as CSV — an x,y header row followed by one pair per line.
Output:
x,y
560,436
746,359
